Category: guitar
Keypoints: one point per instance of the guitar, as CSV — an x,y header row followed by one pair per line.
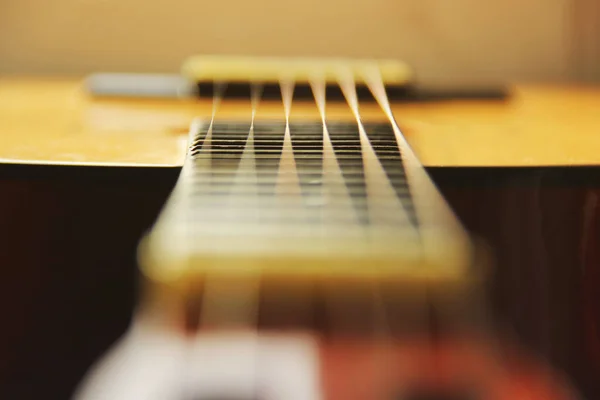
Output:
x,y
304,253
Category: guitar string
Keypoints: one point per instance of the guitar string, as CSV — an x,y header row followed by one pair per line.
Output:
x,y
243,199
336,299
288,194
233,302
432,211
418,183
431,208
239,296
336,196
288,191
383,204
332,181
197,169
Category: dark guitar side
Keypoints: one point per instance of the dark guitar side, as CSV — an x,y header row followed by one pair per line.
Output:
x,y
69,237
68,268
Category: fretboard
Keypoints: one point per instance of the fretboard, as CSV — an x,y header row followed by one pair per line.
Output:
x,y
307,199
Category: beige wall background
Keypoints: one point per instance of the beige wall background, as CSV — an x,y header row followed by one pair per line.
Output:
x,y
447,41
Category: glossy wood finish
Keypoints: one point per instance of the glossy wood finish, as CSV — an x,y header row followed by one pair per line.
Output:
x,y
54,121
67,270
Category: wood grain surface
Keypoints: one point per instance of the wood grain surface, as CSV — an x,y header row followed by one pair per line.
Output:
x,y
53,120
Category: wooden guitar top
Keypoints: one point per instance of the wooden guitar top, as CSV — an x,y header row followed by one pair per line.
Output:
x,y
53,120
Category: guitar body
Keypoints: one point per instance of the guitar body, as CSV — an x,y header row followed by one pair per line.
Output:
x,y
250,170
